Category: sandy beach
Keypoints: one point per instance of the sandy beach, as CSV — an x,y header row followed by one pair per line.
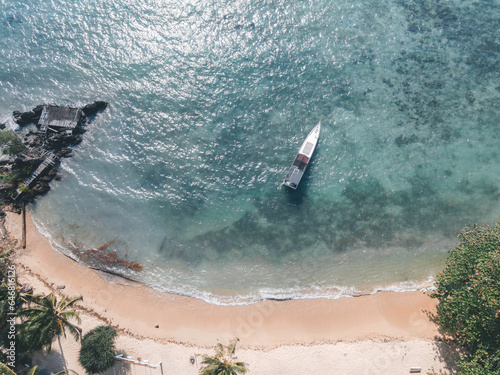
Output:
x,y
384,333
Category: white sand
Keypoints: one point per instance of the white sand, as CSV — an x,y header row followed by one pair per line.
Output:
x,y
387,333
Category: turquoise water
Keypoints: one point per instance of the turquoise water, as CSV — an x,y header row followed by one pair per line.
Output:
x,y
210,101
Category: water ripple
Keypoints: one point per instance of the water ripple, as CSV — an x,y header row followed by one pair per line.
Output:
x,y
210,101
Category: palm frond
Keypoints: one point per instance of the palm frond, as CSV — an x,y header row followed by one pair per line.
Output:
x,y
65,303
222,362
231,348
75,331
45,318
66,315
5,254
220,351
4,369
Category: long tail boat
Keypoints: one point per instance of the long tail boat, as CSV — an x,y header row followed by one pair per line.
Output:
x,y
302,159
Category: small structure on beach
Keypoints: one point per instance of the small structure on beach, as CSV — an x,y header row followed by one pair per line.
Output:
x,y
129,360
59,119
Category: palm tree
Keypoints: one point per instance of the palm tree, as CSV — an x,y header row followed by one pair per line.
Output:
x,y
5,262
6,370
47,318
5,255
222,363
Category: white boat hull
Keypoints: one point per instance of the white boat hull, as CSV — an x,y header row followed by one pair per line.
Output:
x,y
299,166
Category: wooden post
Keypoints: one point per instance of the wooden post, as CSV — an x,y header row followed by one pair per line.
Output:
x,y
24,227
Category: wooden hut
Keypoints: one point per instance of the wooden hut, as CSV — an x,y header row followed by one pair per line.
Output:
x,y
59,119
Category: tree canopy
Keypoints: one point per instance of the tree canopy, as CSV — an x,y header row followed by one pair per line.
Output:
x,y
98,349
47,318
223,363
6,370
468,291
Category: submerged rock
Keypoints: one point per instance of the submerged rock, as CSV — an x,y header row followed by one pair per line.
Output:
x,y
66,152
40,188
403,141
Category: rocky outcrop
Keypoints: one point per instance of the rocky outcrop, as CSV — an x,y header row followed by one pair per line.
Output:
x,y
33,116
19,170
25,118
92,109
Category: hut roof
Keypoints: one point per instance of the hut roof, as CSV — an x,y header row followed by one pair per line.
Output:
x,y
54,116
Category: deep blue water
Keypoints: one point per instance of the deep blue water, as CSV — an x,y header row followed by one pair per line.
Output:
x,y
210,101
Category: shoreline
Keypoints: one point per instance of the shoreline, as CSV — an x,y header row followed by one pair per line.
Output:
x,y
166,319
115,277
245,321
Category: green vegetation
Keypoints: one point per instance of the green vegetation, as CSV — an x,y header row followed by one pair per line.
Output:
x,y
5,370
40,319
222,363
98,350
4,260
8,178
15,177
11,297
468,291
46,318
24,188
10,143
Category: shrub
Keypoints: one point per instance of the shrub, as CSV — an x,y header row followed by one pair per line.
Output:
x,y
10,143
468,291
24,188
98,349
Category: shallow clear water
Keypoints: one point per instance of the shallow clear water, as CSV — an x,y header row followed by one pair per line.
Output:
x,y
210,101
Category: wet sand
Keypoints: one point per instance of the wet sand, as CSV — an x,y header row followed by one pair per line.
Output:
x,y
389,323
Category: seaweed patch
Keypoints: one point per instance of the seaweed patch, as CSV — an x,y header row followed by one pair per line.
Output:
x,y
105,256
